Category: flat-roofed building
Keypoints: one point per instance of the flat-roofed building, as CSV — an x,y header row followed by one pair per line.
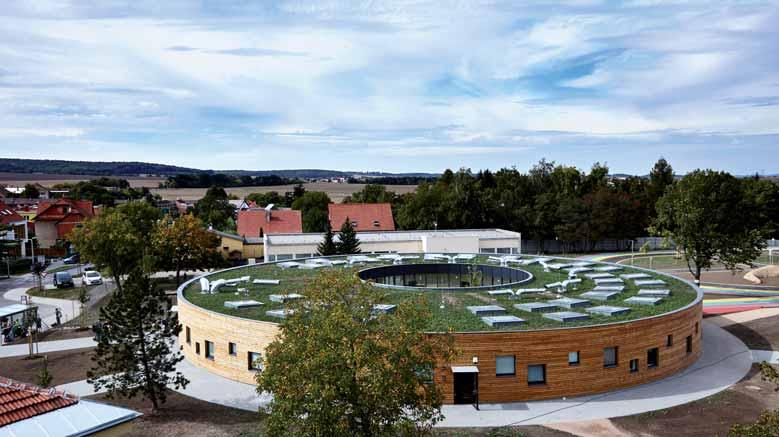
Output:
x,y
291,246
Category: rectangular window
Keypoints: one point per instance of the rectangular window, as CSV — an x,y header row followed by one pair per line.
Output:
x,y
669,341
696,327
231,349
573,358
536,374
209,349
634,365
255,362
503,250
652,357
504,365
189,335
689,344
197,348
610,357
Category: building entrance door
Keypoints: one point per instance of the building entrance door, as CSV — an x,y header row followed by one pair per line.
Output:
x,y
466,388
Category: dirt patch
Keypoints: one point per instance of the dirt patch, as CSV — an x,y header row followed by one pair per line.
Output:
x,y
182,415
64,366
758,334
712,416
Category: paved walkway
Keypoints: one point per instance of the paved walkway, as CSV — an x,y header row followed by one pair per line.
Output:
x,y
17,350
46,305
758,356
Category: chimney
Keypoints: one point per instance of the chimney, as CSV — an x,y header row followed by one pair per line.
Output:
x,y
268,212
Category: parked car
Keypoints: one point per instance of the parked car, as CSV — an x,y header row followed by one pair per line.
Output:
x,y
91,277
63,280
73,259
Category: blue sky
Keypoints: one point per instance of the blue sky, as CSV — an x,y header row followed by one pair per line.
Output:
x,y
398,86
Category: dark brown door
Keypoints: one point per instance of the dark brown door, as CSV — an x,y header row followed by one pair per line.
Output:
x,y
465,388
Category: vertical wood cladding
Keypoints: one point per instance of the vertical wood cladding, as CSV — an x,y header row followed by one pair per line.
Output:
x,y
549,347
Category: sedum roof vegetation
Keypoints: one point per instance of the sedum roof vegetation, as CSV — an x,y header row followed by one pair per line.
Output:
x,y
454,316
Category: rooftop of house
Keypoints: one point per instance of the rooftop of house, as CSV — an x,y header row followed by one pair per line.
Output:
x,y
282,221
58,209
363,216
8,216
30,410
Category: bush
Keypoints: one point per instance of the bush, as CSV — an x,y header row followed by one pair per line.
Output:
x,y
16,265
766,426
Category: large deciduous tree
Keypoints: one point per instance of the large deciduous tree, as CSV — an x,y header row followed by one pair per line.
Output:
x,y
709,216
313,208
184,244
214,209
337,369
118,239
135,352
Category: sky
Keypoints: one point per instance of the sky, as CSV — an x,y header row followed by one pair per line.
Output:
x,y
398,86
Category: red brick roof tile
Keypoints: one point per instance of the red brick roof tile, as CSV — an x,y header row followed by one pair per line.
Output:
x,y
367,216
19,401
282,221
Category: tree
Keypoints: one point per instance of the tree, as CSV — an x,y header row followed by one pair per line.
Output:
x,y
214,209
337,369
184,244
708,214
371,193
313,208
327,246
31,192
660,178
347,239
135,354
117,240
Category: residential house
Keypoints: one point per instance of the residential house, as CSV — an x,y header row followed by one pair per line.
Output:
x,y
242,205
55,219
364,217
259,222
11,223
236,247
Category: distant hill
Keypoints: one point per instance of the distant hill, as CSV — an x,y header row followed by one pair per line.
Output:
x,y
55,166
96,168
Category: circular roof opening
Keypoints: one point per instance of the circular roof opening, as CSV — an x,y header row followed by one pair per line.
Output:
x,y
445,276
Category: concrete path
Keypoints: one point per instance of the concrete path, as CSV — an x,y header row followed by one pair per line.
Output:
x,y
207,386
80,388
16,350
725,360
46,305
758,356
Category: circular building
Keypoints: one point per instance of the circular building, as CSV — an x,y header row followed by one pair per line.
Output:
x,y
527,328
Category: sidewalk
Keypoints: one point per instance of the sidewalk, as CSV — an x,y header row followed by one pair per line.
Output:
x,y
46,306
47,346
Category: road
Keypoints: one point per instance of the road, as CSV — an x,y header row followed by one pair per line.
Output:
x,y
46,311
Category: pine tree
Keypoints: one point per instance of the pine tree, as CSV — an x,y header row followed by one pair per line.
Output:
x,y
327,246
135,354
347,239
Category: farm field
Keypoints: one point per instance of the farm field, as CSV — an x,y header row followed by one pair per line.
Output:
x,y
337,192
48,180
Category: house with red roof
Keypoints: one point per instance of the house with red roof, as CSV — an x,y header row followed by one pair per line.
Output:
x,y
55,219
11,223
28,410
254,223
363,216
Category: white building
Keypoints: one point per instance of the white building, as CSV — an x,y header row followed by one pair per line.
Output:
x,y
290,246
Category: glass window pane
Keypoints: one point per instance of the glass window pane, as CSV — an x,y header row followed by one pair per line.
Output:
x,y
504,365
573,357
536,373
610,356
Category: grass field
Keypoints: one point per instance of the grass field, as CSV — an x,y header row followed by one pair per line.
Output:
x,y
669,262
337,192
57,293
453,315
48,180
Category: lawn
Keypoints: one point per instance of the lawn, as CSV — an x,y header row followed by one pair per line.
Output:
x,y
57,293
454,314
